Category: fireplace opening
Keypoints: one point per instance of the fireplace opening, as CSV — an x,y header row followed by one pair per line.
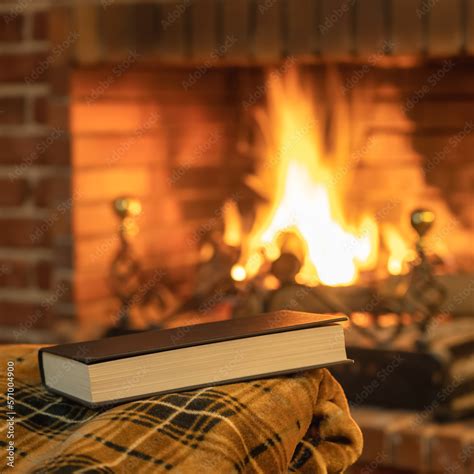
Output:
x,y
302,176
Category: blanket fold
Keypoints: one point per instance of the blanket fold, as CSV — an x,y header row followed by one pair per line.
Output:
x,y
298,423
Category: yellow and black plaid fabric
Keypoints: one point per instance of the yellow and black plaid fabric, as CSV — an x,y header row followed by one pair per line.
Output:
x,y
299,424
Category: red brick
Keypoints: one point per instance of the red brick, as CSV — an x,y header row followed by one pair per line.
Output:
x,y
14,150
24,316
201,177
63,215
116,116
394,82
95,255
40,26
464,178
95,317
44,272
447,449
59,152
12,28
65,295
12,110
14,274
24,232
408,450
20,274
64,254
40,109
53,191
93,150
106,183
13,193
468,456
95,219
59,79
58,114
23,67
138,82
201,209
92,286
34,150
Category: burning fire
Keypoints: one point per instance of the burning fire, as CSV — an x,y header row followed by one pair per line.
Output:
x,y
398,250
303,187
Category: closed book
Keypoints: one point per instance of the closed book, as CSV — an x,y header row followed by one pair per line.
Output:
x,y
122,368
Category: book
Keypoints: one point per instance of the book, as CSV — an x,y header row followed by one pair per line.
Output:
x,y
123,368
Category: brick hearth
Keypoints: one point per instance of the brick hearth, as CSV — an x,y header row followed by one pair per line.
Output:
x,y
398,441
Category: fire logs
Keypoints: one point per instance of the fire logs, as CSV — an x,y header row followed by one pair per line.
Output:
x,y
286,267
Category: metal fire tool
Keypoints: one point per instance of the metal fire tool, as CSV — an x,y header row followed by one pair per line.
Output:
x,y
424,290
421,297
417,372
136,289
125,268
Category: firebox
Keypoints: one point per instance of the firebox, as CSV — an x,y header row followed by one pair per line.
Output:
x,y
290,156
310,169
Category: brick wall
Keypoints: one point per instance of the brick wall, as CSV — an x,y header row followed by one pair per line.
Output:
x,y
34,177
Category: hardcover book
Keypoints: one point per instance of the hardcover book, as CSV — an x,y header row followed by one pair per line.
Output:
x,y
123,368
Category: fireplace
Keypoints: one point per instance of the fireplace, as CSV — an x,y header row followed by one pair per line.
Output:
x,y
173,162
198,155
198,112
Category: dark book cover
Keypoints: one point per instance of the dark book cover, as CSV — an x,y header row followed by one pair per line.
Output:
x,y
159,340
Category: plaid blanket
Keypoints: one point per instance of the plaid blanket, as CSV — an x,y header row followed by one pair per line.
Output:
x,y
299,423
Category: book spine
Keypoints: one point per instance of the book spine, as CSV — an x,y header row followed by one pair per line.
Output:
x,y
40,366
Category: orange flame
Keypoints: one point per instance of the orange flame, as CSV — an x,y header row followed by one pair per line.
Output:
x,y
304,196
399,252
